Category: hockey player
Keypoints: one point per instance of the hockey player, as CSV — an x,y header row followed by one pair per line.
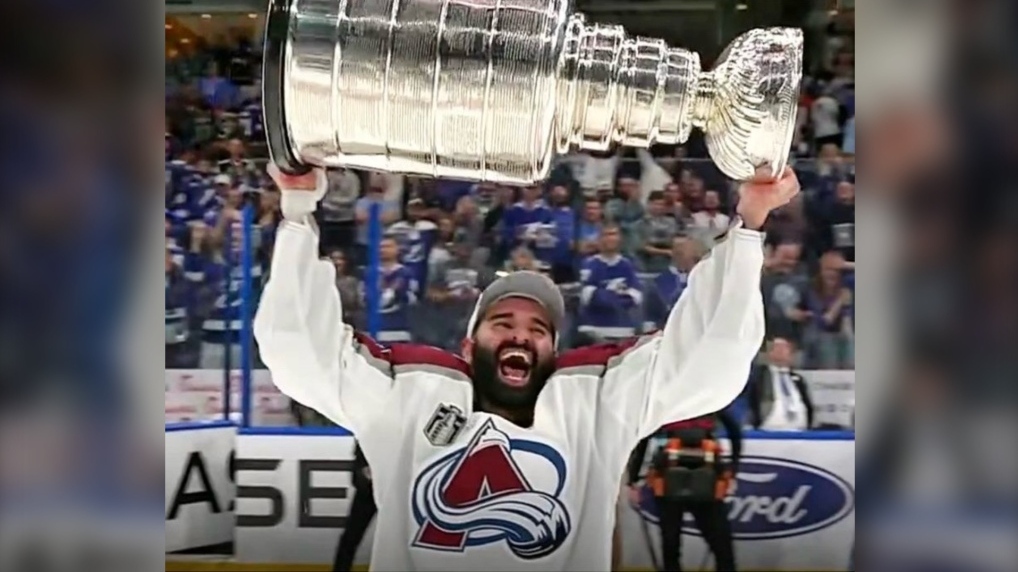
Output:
x,y
509,457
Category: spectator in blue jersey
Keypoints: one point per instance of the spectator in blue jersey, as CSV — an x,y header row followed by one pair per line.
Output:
x,y
665,289
397,288
453,288
829,338
177,298
610,294
176,229
560,257
588,231
224,277
186,190
251,120
225,216
626,210
196,256
222,325
654,234
526,223
416,236
199,265
206,168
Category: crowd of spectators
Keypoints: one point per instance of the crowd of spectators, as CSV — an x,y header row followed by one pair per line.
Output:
x,y
617,231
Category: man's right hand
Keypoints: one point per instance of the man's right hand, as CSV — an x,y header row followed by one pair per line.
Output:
x,y
300,193
305,182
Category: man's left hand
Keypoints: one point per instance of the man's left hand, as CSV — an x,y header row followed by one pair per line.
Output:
x,y
763,194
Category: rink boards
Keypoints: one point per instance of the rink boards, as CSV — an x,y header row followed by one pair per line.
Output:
x,y
280,496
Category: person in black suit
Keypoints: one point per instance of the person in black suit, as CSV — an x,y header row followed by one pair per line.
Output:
x,y
777,396
362,512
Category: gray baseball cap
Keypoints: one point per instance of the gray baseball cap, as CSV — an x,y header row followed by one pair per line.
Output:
x,y
522,284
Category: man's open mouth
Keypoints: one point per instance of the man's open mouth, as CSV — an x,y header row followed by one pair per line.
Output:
x,y
514,366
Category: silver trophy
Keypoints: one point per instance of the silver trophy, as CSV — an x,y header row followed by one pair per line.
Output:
x,y
491,90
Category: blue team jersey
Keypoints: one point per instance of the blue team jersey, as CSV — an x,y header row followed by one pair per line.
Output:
x,y
588,231
529,224
250,119
186,191
224,283
563,225
609,297
664,293
416,240
397,292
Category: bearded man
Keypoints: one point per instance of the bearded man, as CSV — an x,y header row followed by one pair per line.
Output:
x,y
508,456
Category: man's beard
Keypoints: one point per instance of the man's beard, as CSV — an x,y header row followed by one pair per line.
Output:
x,y
494,391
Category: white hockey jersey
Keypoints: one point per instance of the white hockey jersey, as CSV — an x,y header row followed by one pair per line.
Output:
x,y
462,490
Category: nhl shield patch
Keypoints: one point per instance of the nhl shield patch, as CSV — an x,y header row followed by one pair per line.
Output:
x,y
445,425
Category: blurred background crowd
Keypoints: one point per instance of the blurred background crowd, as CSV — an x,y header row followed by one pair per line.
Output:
x,y
618,231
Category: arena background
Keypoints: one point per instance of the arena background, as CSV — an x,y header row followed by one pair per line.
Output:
x,y
221,407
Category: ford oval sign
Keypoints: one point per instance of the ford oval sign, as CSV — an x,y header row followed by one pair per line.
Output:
x,y
777,498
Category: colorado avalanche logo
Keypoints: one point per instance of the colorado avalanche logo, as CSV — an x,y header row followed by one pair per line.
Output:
x,y
478,495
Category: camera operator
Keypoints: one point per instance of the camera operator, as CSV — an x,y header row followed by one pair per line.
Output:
x,y
689,474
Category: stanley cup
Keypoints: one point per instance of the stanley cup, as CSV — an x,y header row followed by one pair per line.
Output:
x,y
491,90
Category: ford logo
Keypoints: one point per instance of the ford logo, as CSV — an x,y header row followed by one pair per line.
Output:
x,y
776,498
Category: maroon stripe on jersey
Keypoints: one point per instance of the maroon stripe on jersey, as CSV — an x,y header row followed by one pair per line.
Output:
x,y
368,343
597,354
412,355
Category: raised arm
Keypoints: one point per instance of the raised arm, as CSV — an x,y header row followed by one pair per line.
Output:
x,y
315,358
700,361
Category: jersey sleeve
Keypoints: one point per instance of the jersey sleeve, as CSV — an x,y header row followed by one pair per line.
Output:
x,y
700,361
633,288
315,358
590,282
